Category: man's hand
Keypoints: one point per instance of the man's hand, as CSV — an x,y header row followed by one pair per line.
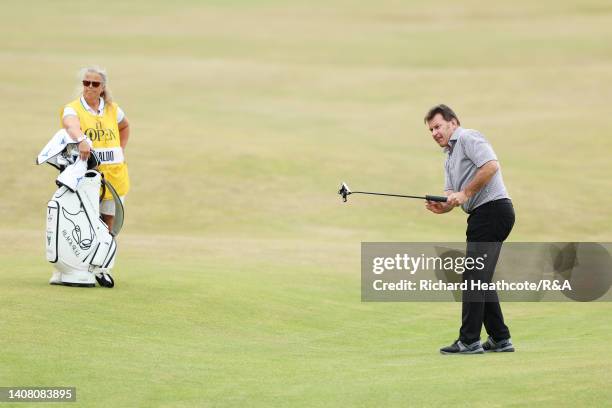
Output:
x,y
84,150
437,207
456,199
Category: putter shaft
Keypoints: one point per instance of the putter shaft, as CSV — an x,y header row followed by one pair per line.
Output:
x,y
388,195
345,192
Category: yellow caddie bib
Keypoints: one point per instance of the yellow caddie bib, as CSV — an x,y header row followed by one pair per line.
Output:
x,y
103,131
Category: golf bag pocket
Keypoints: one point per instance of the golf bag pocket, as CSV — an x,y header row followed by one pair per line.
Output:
x,y
52,227
104,253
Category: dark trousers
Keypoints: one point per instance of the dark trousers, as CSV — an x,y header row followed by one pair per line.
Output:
x,y
488,226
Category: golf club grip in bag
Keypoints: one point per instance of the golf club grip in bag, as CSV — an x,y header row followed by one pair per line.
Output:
x,y
439,199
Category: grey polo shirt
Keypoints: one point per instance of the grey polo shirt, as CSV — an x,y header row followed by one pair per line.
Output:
x,y
468,151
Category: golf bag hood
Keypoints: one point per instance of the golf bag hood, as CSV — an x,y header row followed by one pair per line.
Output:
x,y
61,151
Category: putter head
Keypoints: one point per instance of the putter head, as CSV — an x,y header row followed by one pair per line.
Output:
x,y
344,191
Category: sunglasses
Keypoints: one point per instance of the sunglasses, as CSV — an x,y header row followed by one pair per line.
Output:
x,y
94,84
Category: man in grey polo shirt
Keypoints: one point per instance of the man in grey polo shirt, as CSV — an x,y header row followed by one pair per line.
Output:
x,y
473,180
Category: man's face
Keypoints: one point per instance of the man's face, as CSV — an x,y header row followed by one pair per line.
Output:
x,y
441,130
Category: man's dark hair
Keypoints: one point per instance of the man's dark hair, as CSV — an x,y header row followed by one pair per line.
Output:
x,y
446,112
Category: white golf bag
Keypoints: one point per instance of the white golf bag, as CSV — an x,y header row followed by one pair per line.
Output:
x,y
78,242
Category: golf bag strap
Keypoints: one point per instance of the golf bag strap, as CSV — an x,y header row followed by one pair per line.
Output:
x,y
119,209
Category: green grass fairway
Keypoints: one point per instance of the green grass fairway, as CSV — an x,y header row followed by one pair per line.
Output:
x,y
238,275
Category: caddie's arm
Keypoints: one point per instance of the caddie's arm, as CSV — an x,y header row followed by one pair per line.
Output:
x,y
440,208
73,127
124,132
481,178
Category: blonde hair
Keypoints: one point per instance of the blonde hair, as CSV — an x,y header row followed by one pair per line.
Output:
x,y
106,93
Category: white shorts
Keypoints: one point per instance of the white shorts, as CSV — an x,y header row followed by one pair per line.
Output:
x,y
107,207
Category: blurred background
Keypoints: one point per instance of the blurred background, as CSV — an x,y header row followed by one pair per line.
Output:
x,y
248,114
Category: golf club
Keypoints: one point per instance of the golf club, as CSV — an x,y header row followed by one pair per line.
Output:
x,y
345,192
